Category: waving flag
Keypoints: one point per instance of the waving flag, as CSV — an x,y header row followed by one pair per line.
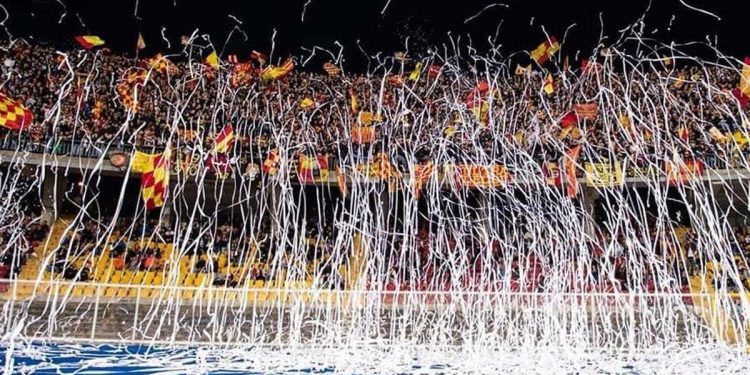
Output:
x,y
569,163
271,165
306,103
162,64
549,85
544,51
260,57
745,79
140,43
13,115
242,74
422,174
569,120
523,70
416,73
155,181
224,139
475,97
353,101
276,72
212,60
312,168
89,41
331,69
433,71
127,88
363,134
341,182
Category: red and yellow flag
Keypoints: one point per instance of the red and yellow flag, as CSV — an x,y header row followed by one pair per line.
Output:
x,y
544,51
312,168
260,57
89,41
341,182
422,174
681,172
745,79
224,140
353,101
386,170
271,165
275,72
13,115
569,120
549,85
331,69
242,74
127,88
569,163
155,181
363,134
162,64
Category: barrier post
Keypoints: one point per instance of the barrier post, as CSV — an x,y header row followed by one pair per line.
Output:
x,y
96,310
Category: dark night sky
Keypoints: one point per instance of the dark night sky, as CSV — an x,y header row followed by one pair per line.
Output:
x,y
346,21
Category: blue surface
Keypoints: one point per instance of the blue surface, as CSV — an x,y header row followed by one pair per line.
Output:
x,y
40,358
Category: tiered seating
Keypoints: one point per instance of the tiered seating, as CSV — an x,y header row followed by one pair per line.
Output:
x,y
176,271
33,267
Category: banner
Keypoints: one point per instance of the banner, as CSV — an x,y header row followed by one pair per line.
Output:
x,y
681,172
603,175
363,134
422,174
381,168
483,176
313,169
218,164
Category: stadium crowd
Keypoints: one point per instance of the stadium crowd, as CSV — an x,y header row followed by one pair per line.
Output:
x,y
645,113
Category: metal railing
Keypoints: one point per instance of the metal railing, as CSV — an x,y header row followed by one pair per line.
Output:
x,y
169,313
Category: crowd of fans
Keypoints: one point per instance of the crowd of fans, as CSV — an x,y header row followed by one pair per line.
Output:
x,y
22,229
647,112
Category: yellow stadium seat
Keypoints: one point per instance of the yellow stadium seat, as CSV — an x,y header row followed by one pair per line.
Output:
x,y
230,296
122,292
110,292
149,278
257,296
116,278
23,291
132,292
89,291
199,280
127,277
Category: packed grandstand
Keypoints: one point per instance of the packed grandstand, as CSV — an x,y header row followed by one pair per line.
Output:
x,y
430,181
